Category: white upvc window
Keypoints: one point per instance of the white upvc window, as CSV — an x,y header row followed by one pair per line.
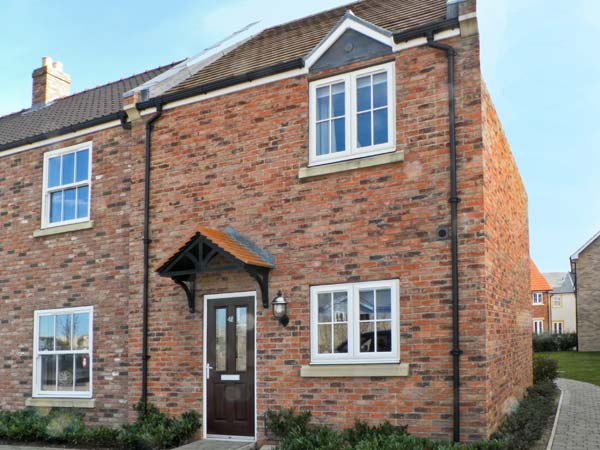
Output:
x,y
556,301
557,327
355,323
352,115
538,326
63,346
538,298
67,185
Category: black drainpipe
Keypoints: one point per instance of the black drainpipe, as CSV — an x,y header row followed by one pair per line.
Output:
x,y
145,356
454,200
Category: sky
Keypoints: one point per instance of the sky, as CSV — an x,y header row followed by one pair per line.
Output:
x,y
539,59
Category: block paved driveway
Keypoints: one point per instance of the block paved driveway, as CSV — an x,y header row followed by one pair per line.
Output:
x,y
579,419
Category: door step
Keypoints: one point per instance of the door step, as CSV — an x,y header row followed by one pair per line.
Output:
x,y
210,444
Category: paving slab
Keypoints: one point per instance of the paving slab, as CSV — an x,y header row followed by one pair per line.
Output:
x,y
578,426
209,444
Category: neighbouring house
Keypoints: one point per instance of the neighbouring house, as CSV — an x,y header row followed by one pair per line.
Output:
x,y
563,304
345,172
540,301
585,265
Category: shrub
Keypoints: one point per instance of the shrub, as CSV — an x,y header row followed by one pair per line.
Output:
x,y
297,433
526,425
152,431
544,369
547,342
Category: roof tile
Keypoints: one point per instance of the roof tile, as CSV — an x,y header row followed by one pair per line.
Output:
x,y
538,281
293,40
72,110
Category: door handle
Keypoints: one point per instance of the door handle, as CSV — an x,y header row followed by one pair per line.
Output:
x,y
208,369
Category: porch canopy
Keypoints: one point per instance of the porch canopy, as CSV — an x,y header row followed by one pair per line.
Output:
x,y
200,254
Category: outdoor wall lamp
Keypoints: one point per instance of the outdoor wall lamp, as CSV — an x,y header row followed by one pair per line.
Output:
x,y
279,304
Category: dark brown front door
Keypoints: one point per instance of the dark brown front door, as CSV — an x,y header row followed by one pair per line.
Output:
x,y
230,367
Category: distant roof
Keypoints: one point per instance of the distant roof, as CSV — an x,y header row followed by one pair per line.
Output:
x,y
575,256
294,40
76,111
561,282
538,282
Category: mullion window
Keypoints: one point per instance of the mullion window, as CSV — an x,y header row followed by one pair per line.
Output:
x,y
352,115
355,322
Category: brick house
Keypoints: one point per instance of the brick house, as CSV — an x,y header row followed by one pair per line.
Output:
x,y
540,301
585,265
349,164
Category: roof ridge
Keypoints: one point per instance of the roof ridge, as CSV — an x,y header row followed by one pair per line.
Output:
x,y
300,19
74,94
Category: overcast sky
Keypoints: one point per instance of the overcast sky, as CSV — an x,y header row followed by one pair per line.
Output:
x,y
539,58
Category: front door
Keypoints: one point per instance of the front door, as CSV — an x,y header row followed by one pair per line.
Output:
x,y
229,367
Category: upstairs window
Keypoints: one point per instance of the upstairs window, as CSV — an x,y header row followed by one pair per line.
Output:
x,y
352,115
67,175
556,301
538,298
355,323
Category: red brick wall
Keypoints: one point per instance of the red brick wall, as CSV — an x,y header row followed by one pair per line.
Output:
x,y
541,311
88,267
234,160
507,296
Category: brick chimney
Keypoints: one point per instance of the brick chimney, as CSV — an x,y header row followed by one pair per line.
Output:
x,y
49,82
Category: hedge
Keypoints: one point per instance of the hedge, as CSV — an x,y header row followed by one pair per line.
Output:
x,y
547,342
152,431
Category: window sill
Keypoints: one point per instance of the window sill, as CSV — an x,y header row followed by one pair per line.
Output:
x,y
351,164
64,228
355,370
60,402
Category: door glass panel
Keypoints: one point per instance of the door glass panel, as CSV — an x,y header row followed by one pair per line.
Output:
x,y
221,339
241,337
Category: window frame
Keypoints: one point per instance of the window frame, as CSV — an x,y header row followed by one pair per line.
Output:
x,y
558,298
352,150
535,295
37,392
562,326
46,192
354,356
541,322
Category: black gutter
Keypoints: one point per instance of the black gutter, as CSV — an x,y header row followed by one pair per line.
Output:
x,y
428,32
59,132
146,238
297,63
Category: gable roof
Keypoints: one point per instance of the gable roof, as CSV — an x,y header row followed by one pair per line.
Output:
x,y
286,46
575,256
561,282
538,282
74,112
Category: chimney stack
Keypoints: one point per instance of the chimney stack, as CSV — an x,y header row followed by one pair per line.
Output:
x,y
49,82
